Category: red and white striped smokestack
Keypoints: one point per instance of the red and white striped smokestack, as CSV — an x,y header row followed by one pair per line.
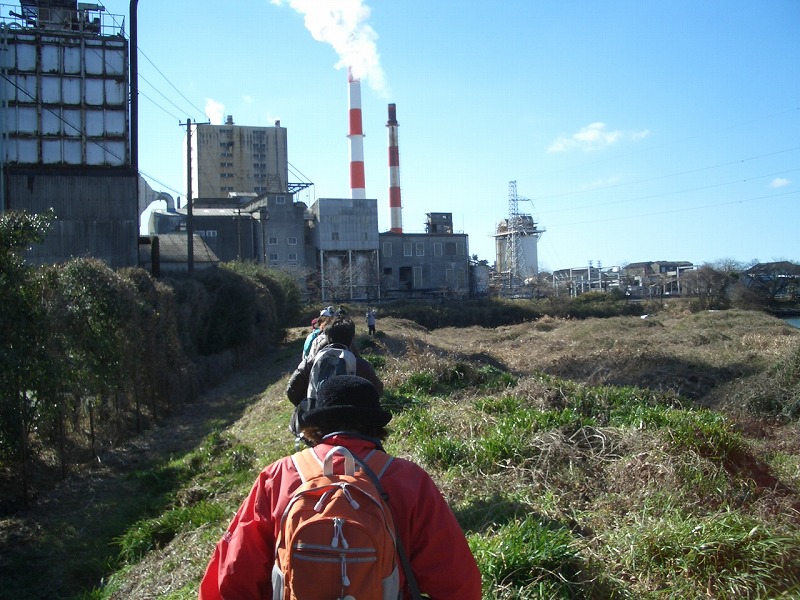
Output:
x,y
356,136
395,205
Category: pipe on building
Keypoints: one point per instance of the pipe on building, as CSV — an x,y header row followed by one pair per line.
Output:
x,y
395,204
356,136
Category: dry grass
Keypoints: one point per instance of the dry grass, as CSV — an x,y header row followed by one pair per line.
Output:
x,y
594,480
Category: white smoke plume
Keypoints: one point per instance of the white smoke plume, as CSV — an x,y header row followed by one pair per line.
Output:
x,y
343,25
215,111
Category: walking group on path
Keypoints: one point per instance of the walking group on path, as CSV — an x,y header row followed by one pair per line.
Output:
x,y
341,518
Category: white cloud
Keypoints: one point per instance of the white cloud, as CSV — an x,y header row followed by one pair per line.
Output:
x,y
594,137
779,182
215,111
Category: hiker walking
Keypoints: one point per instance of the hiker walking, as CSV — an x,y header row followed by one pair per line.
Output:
x,y
317,325
347,426
339,333
371,320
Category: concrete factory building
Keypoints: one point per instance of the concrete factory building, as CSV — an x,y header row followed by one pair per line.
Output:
x,y
233,158
65,130
436,262
333,246
344,236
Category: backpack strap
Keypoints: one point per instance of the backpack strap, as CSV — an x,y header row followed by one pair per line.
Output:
x,y
381,461
307,463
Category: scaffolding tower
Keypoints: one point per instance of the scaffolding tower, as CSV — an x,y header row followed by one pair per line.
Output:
x,y
516,238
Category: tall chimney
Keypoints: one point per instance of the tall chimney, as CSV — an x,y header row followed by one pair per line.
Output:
x,y
356,136
395,205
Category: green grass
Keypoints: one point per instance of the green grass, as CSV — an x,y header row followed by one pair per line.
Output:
x,y
564,490
730,554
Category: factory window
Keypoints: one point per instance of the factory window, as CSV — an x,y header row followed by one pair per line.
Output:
x,y
292,257
259,189
259,176
450,248
420,249
407,249
225,164
226,154
448,276
335,236
226,175
417,277
387,249
273,241
387,270
437,248
292,241
462,278
273,258
210,233
280,199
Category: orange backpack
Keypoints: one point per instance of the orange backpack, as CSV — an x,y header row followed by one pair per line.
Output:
x,y
337,538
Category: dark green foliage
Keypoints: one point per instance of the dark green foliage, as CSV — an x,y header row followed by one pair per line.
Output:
x,y
89,349
459,375
590,304
496,312
485,313
233,306
23,361
378,361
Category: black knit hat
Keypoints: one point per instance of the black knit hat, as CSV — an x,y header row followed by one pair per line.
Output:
x,y
344,400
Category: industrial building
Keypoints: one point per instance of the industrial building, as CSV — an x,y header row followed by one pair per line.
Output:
x,y
65,130
229,158
69,141
436,262
334,245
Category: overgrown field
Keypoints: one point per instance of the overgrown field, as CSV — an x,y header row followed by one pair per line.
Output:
x,y
626,457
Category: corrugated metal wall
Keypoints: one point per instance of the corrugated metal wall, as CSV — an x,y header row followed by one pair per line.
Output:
x,y
95,213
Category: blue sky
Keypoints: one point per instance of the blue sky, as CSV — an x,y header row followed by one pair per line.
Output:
x,y
635,130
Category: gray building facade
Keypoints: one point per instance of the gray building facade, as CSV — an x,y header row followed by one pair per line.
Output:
x,y
65,130
344,235
435,263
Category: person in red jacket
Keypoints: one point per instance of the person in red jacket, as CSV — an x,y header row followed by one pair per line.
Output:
x,y
347,413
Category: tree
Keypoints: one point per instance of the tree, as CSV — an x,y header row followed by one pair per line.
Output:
x,y
23,363
774,279
709,286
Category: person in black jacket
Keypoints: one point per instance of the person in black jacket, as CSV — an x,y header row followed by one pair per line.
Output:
x,y
339,331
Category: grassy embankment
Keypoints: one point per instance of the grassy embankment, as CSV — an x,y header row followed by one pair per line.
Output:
x,y
614,458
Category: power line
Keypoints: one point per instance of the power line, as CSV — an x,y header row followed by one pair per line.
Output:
x,y
667,176
687,209
673,193
189,102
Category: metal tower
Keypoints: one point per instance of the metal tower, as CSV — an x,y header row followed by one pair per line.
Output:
x,y
515,255
516,239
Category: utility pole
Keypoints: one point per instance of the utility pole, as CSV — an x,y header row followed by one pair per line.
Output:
x,y
189,215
